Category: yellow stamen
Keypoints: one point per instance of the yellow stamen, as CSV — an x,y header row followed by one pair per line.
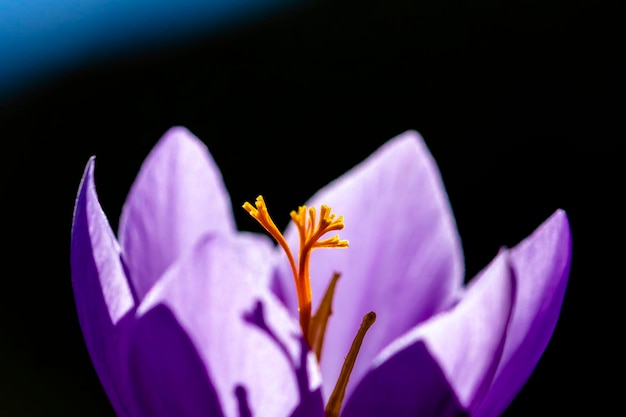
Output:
x,y
310,234
261,215
336,398
317,331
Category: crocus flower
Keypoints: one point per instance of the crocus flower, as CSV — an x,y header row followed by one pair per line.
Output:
x,y
185,316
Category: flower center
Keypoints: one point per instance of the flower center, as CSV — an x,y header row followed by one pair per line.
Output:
x,y
310,238
311,230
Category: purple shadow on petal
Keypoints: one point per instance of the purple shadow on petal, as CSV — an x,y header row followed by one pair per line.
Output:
x,y
242,400
209,291
166,372
101,290
392,391
310,401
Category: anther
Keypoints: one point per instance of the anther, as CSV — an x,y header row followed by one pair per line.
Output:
x,y
336,398
317,331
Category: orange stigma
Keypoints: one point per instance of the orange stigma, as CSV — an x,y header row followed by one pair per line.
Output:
x,y
311,230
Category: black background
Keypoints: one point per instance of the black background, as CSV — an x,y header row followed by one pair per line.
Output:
x,y
519,102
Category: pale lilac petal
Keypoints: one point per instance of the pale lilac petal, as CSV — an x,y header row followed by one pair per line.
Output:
x,y
541,264
252,348
177,197
259,250
101,289
404,261
466,342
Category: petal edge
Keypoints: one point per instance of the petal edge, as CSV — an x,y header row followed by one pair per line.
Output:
x,y
541,263
101,291
178,196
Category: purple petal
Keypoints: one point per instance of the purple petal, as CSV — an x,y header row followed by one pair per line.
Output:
x,y
254,355
166,373
101,290
541,264
404,261
465,343
177,197
409,384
